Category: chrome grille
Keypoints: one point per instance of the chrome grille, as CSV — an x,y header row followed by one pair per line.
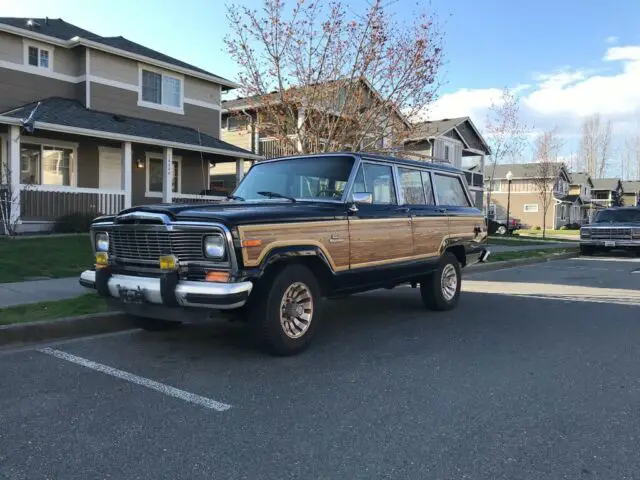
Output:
x,y
128,245
611,233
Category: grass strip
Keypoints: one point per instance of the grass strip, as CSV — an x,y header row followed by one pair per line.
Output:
x,y
72,307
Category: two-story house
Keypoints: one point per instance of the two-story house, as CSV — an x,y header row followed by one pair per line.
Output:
x,y
524,195
607,192
95,124
582,208
456,141
631,193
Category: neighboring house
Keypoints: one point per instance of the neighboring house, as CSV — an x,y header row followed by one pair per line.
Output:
x,y
525,201
456,141
606,192
631,193
96,124
582,208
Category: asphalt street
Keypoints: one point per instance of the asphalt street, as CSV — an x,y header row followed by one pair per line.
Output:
x,y
536,375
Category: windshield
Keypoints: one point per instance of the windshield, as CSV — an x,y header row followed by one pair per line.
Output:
x,y
323,178
619,216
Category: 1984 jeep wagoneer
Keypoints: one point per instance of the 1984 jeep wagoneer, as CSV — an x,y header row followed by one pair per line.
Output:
x,y
296,230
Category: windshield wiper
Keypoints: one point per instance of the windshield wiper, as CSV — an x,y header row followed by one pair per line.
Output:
x,y
235,197
276,195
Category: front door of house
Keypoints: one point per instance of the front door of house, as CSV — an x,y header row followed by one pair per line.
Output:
x,y
110,170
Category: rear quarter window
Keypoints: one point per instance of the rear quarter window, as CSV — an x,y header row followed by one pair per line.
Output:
x,y
449,190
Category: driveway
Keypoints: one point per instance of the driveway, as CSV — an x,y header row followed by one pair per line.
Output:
x,y
534,376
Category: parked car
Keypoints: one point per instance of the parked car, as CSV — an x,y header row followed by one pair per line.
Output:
x,y
617,227
500,226
295,230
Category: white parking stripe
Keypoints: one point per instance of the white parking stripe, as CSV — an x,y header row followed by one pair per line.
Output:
x,y
145,382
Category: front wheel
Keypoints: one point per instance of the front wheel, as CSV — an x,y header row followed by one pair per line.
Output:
x,y
285,310
441,289
502,230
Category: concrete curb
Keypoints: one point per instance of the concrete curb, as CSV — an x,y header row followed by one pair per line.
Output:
x,y
94,324
519,262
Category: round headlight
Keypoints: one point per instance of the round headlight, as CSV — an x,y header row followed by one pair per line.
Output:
x,y
214,246
102,242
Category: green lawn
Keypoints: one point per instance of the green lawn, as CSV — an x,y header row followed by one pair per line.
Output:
x,y
549,232
83,305
546,252
54,257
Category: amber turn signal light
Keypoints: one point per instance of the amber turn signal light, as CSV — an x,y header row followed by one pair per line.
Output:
x,y
102,260
168,262
251,243
221,277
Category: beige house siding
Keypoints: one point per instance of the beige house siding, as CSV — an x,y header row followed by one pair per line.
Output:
x,y
125,102
67,61
18,88
11,48
517,210
112,67
240,138
200,90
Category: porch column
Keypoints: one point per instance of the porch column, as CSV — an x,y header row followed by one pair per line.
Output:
x,y
167,174
14,174
126,173
239,170
301,119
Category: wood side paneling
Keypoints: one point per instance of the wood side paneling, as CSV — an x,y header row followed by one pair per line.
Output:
x,y
428,233
332,237
379,241
463,227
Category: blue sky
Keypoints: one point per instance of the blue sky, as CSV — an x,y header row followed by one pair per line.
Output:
x,y
569,58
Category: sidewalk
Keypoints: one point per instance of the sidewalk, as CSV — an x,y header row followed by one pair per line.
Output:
x,y
21,293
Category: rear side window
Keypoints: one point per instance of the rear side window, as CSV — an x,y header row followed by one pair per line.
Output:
x,y
377,180
411,186
449,190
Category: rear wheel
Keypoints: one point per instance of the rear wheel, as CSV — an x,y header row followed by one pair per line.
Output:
x,y
501,230
441,289
153,324
285,310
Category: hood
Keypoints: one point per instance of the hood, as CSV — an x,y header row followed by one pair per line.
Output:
x,y
242,213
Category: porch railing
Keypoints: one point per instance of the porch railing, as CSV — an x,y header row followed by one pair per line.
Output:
x,y
474,179
48,202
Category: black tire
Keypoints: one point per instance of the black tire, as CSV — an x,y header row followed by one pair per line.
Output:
x,y
501,230
587,250
432,291
153,324
276,335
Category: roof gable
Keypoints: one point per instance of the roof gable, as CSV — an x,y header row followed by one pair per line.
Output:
x,y
463,126
523,171
56,28
609,184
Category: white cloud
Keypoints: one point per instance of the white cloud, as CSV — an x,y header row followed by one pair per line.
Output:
x,y
611,40
562,97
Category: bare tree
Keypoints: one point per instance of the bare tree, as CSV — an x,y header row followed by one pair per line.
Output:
x,y
547,149
505,133
595,144
630,155
308,66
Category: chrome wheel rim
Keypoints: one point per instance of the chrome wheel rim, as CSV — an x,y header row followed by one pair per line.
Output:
x,y
296,310
449,282
502,230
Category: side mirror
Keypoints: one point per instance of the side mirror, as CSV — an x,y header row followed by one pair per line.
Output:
x,y
362,197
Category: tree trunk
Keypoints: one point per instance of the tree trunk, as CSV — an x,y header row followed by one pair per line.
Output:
x,y
544,223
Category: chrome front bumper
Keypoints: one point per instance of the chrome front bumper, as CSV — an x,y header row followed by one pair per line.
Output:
x,y
218,296
610,243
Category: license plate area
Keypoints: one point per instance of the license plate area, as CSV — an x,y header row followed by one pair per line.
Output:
x,y
132,295
609,243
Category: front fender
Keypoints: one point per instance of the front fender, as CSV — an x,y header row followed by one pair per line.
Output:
x,y
287,252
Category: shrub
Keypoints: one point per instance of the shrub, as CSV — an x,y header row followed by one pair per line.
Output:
x,y
573,226
74,222
564,227
538,227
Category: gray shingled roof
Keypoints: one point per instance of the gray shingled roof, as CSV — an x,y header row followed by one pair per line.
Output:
x,y
435,128
518,170
58,28
579,178
71,113
605,183
631,186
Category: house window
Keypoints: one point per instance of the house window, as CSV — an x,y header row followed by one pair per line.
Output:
x,y
46,165
38,56
154,174
446,152
160,89
530,208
